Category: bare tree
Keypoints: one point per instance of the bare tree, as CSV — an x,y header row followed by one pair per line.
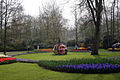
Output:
x,y
113,20
76,26
107,28
118,31
52,22
10,6
96,8
1,20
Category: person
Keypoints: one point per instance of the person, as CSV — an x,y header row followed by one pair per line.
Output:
x,y
38,47
76,46
28,48
89,48
113,46
66,51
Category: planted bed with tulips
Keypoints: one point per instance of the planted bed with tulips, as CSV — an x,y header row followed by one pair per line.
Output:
x,y
7,60
94,66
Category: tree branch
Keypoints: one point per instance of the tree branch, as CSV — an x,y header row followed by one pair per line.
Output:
x,y
92,12
92,5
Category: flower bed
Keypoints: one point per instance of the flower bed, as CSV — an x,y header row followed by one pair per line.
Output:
x,y
114,49
7,60
48,50
80,50
43,50
118,57
90,68
98,65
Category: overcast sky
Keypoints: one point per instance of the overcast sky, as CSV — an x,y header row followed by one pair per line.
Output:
x,y
31,7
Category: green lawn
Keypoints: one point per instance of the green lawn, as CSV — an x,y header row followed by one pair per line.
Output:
x,y
71,55
15,52
29,71
104,50
25,71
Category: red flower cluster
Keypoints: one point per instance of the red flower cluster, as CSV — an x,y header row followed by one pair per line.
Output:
x,y
6,59
48,50
80,50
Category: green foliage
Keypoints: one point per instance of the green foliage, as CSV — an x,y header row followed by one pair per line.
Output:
x,y
46,45
107,41
36,50
16,47
71,43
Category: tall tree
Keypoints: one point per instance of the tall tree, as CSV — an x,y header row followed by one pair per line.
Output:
x,y
76,26
52,23
96,8
9,6
113,20
1,21
107,29
118,31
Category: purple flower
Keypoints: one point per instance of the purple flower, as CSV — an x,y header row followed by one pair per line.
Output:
x,y
90,68
26,60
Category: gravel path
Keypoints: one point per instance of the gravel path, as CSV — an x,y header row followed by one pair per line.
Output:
x,y
24,60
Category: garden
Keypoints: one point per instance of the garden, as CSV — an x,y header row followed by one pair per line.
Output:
x,y
59,40
48,66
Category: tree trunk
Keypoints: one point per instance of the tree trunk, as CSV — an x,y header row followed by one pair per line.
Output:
x,y
95,45
107,29
96,14
111,30
113,21
1,20
5,30
5,37
76,28
118,21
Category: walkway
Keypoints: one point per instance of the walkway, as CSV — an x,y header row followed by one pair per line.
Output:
x,y
24,60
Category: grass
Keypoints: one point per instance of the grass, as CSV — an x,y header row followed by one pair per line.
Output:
x,y
103,50
25,71
71,55
17,52
51,56
28,71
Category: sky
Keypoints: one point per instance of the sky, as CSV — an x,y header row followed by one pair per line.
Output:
x,y
31,7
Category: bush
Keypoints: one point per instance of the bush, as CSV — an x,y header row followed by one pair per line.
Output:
x,y
71,43
16,48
